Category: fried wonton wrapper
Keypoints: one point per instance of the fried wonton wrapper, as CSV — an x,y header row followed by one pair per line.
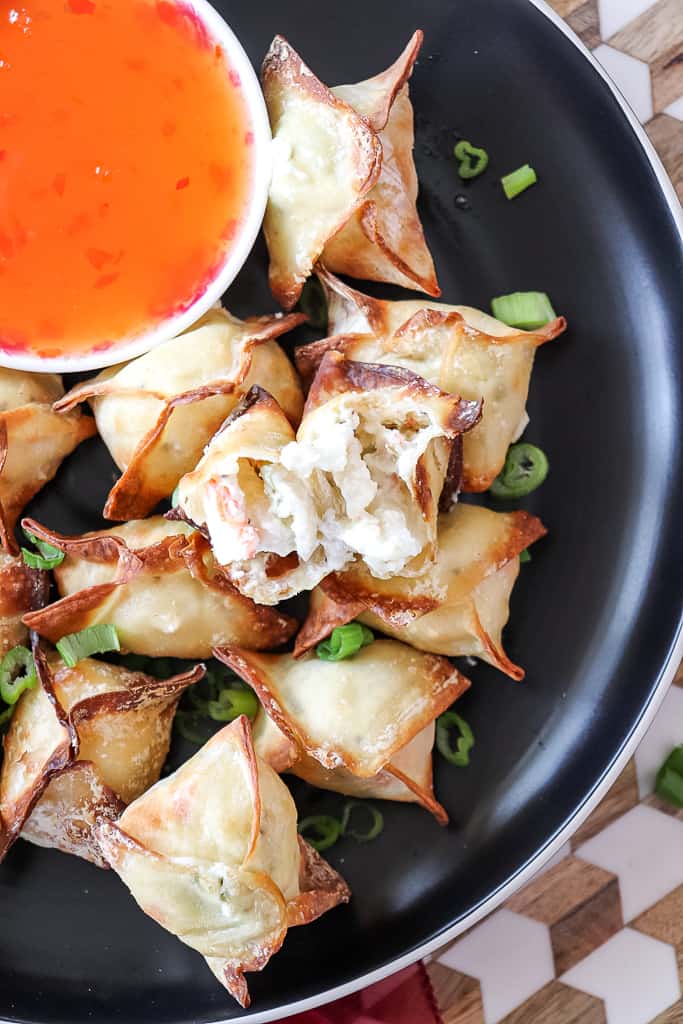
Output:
x,y
156,413
212,854
157,582
363,477
81,745
33,440
326,159
384,240
21,589
457,348
408,778
355,714
458,608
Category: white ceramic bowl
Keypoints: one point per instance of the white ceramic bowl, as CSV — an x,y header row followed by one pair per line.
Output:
x,y
259,125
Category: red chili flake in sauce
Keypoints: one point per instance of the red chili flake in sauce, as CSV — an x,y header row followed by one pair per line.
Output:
x,y
182,183
98,257
59,183
106,280
249,138
81,6
234,78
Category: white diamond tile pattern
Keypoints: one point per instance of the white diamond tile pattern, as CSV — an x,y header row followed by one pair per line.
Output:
x,y
614,14
675,109
632,77
637,977
644,848
511,956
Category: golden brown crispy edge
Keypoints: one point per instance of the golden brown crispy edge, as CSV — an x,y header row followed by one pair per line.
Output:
x,y
62,754
337,375
439,669
343,596
283,64
127,498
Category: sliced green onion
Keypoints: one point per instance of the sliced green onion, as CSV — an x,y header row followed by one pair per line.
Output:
x,y
669,782
314,304
518,181
93,640
175,497
460,755
344,642
472,161
376,824
525,469
526,310
325,830
231,703
524,556
49,556
17,673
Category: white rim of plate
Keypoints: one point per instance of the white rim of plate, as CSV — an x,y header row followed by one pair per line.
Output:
x,y
640,728
259,124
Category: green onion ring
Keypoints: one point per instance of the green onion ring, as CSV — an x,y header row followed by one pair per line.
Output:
x,y
376,825
328,831
460,756
525,469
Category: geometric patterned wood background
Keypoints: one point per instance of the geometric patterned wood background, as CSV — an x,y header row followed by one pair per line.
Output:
x,y
640,44
597,937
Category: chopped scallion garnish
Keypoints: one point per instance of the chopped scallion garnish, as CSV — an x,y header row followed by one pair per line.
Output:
x,y
327,829
94,640
518,181
460,754
525,469
524,556
344,642
219,697
320,831
669,782
356,807
49,556
231,703
526,310
17,673
472,161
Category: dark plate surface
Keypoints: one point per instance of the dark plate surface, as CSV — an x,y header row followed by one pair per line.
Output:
x,y
595,614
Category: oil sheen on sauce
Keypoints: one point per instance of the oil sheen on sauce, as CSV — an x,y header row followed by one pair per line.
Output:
x,y
125,167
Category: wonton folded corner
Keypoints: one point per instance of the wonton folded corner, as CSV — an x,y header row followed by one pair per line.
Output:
x,y
158,584
457,348
363,726
83,743
458,608
363,475
156,413
28,423
344,185
212,854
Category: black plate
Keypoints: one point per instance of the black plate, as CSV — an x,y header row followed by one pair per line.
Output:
x,y
594,616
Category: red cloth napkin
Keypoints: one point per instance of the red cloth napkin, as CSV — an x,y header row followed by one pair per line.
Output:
x,y
405,998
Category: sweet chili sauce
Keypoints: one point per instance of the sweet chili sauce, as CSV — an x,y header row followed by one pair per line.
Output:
x,y
125,166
